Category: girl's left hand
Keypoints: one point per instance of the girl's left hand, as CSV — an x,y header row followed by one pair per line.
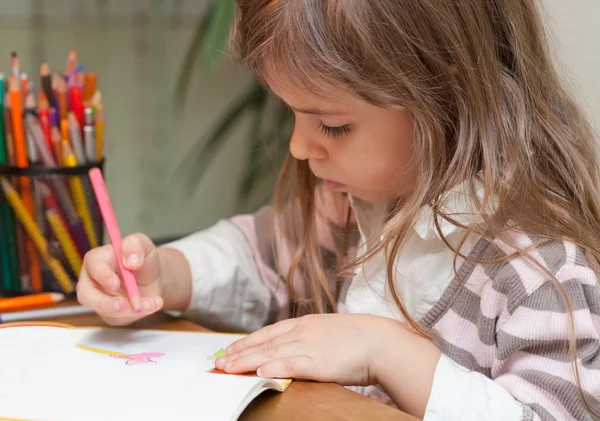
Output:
x,y
340,348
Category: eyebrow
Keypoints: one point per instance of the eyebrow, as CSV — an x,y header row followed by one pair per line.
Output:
x,y
316,111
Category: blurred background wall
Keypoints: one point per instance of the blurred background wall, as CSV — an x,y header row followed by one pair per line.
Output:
x,y
137,47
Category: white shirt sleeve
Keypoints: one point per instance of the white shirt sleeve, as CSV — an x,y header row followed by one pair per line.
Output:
x,y
227,291
460,394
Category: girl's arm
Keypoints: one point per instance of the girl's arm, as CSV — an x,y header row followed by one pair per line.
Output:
x,y
213,278
225,277
532,377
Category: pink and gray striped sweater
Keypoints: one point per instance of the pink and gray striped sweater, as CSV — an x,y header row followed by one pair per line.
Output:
x,y
502,325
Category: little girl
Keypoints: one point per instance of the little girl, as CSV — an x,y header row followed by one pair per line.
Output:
x,y
434,238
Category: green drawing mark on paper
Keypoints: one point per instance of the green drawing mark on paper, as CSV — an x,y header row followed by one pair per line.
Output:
x,y
219,353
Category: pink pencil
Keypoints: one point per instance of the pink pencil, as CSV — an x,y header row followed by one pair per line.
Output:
x,y
114,234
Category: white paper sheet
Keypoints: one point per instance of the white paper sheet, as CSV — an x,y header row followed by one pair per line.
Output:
x,y
45,376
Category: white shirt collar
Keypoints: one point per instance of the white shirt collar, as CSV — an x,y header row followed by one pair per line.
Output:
x,y
457,204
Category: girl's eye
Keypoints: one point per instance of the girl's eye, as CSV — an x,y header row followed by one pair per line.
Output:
x,y
337,131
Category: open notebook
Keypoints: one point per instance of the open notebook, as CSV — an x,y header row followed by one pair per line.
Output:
x,y
54,372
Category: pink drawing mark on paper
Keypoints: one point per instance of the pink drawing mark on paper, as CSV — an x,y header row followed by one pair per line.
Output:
x,y
140,358
145,357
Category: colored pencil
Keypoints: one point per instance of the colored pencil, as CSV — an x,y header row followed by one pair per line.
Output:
x,y
46,82
89,140
76,141
64,239
29,302
110,221
25,185
18,247
76,100
61,92
99,133
89,86
44,117
78,193
56,144
36,236
8,257
46,313
51,203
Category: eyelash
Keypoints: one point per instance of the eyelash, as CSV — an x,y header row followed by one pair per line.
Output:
x,y
334,131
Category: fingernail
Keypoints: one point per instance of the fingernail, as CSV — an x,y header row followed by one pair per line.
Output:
x,y
158,303
133,259
116,305
147,305
228,365
259,372
114,283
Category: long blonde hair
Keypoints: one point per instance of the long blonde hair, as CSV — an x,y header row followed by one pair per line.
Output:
x,y
488,107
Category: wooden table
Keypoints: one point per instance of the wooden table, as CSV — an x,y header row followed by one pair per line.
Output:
x,y
301,401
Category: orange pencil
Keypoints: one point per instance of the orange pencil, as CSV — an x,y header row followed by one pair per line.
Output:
x,y
20,234
97,105
16,108
99,133
32,301
64,129
89,86
61,91
25,188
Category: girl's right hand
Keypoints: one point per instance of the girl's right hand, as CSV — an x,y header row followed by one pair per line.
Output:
x,y
101,289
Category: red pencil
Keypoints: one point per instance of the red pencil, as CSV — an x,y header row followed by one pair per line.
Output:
x,y
76,96
44,116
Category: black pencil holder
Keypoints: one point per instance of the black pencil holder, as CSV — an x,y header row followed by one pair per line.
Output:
x,y
43,251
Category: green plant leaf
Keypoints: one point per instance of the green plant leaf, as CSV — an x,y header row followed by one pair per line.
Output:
x,y
196,162
267,154
219,25
190,58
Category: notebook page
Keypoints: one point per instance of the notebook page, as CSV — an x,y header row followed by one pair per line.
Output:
x,y
58,374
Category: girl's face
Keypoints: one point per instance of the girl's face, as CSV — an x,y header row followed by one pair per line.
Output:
x,y
351,145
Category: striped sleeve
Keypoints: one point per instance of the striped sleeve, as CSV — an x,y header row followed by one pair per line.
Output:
x,y
505,333
534,360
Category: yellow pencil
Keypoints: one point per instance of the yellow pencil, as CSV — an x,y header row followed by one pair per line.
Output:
x,y
35,235
81,204
62,235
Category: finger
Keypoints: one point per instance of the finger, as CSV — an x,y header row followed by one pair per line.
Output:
x,y
126,314
261,355
114,309
266,348
139,255
135,249
262,335
298,367
100,267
